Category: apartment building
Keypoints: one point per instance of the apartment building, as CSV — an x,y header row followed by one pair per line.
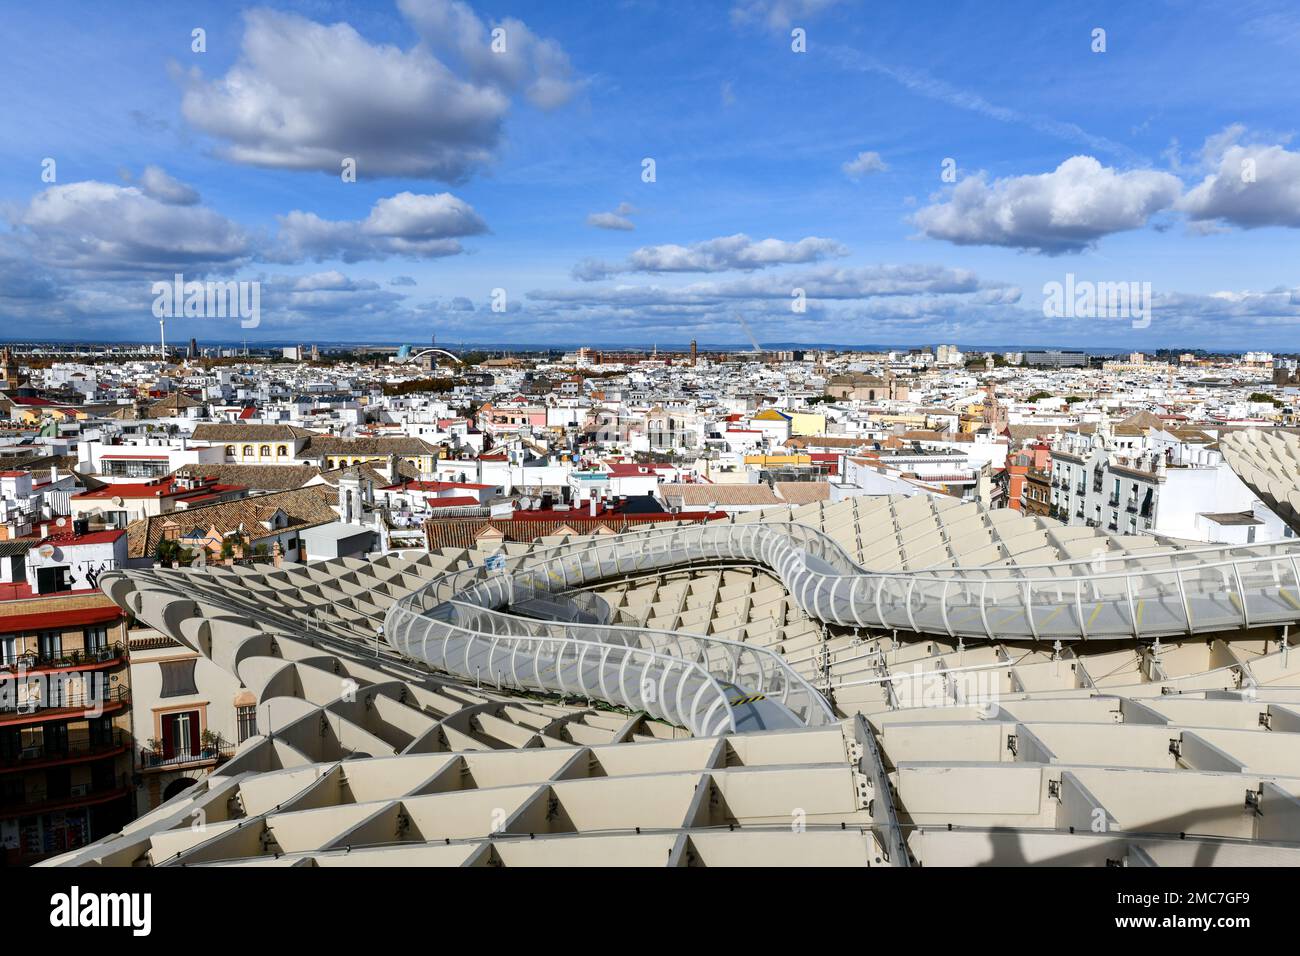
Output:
x,y
1182,491
65,722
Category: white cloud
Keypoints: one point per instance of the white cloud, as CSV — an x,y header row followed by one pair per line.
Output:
x,y
306,96
1066,210
864,164
107,228
714,255
514,60
862,282
158,185
408,224
778,14
1249,185
618,219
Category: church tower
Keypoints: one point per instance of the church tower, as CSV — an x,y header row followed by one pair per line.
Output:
x,y
8,369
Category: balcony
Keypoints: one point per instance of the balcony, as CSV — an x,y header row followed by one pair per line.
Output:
x,y
1079,490
1113,500
1132,506
75,749
62,706
213,749
46,800
33,661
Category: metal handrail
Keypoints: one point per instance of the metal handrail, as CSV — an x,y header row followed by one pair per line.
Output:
x,y
699,716
1186,594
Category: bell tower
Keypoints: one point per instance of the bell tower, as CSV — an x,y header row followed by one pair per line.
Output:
x,y
8,369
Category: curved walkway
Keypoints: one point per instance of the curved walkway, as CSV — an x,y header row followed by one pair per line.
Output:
x,y
461,621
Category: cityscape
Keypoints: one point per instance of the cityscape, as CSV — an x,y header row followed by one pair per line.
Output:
x,y
442,434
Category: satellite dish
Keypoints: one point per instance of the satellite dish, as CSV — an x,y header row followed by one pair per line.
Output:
x,y
525,503
61,522
46,551
117,501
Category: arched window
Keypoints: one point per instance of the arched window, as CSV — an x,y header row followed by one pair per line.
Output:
x,y
264,451
230,451
248,451
281,450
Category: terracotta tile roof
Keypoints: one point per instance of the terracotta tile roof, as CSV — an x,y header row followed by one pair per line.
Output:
x,y
703,494
255,477
215,432
305,508
802,492
321,445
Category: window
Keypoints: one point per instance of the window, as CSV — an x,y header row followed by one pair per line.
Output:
x,y
49,580
177,678
57,690
180,734
50,644
246,718
264,451
96,639
8,650
281,450
230,451
248,451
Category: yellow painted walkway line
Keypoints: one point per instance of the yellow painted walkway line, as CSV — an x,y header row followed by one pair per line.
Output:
x,y
1048,620
1093,616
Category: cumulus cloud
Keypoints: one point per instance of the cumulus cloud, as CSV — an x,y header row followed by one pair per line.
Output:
x,y
507,56
777,14
103,227
1066,210
156,184
1248,185
402,281
726,253
618,219
864,164
409,225
303,95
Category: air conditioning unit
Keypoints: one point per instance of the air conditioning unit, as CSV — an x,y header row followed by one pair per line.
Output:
x,y
80,790
30,753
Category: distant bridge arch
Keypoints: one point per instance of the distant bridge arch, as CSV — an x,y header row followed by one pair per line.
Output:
x,y
421,354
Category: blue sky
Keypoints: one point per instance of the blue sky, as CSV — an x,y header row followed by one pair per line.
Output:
x,y
521,170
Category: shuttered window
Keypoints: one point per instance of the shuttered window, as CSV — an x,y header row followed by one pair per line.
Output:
x,y
178,678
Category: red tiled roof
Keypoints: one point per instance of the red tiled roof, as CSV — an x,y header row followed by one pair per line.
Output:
x,y
436,486
167,487
93,537
460,501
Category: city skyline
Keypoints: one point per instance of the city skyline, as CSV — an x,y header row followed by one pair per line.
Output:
x,y
500,191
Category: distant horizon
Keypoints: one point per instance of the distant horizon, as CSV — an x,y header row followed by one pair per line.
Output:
x,y
731,348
